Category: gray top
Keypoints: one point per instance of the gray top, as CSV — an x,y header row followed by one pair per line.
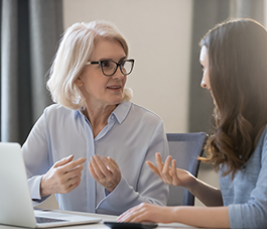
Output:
x,y
246,195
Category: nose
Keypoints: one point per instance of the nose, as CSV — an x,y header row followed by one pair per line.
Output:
x,y
118,74
203,83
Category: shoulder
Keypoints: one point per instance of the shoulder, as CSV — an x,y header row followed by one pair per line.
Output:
x,y
128,112
57,110
145,113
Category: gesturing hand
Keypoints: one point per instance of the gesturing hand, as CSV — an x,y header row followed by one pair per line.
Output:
x,y
171,174
106,172
62,177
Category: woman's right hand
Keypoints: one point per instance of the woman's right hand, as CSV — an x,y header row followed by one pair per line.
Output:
x,y
62,177
170,174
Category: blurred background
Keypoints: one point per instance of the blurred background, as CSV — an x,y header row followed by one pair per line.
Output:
x,y
163,36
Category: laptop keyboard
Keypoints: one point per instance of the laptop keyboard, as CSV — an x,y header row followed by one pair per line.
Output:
x,y
48,220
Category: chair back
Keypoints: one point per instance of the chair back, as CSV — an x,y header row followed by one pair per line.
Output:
x,y
185,149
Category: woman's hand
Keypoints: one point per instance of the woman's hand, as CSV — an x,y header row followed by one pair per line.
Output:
x,y
106,172
171,174
62,177
147,213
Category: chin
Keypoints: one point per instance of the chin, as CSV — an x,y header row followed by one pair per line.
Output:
x,y
116,102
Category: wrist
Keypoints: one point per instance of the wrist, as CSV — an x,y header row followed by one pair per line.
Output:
x,y
191,184
110,189
43,190
113,186
172,214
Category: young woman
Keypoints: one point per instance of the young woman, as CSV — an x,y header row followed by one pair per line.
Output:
x,y
94,122
234,60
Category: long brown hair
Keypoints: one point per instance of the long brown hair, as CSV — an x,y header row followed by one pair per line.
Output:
x,y
237,51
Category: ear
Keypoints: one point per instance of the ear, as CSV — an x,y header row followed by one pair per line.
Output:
x,y
79,82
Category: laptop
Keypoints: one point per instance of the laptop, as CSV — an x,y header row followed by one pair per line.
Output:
x,y
16,206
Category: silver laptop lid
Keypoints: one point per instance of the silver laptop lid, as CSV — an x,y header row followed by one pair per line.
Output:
x,y
15,201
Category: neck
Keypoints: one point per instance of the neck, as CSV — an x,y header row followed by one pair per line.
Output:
x,y
98,116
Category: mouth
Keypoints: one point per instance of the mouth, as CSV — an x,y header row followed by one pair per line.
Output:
x,y
114,87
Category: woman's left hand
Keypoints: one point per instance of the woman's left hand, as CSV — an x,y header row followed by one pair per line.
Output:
x,y
147,213
105,171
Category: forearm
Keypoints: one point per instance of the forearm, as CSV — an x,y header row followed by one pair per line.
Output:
x,y
211,217
130,198
207,194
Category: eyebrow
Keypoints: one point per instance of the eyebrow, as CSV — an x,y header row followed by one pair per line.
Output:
x,y
121,59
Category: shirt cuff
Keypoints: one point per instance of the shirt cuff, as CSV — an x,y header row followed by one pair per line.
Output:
x,y
110,203
34,186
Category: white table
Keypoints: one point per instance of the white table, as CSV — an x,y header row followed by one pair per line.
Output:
x,y
101,225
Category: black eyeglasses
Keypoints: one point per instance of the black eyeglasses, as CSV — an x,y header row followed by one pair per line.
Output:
x,y
109,67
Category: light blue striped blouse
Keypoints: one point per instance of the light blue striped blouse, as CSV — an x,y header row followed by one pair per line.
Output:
x,y
132,136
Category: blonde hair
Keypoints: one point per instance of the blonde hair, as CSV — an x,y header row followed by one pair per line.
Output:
x,y
74,51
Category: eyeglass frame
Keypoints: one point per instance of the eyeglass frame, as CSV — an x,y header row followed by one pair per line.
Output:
x,y
118,65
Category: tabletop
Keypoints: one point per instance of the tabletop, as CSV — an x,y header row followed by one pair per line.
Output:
x,y
101,225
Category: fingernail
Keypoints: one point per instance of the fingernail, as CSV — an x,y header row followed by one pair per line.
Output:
x,y
69,156
84,159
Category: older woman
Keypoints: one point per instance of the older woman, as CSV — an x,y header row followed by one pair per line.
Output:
x,y
94,122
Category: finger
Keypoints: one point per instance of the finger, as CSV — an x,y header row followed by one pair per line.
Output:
x,y
97,170
73,164
173,168
77,171
159,162
102,166
129,211
129,215
92,171
72,181
66,178
64,186
121,216
166,166
141,213
134,216
126,216
72,184
63,161
153,168
174,173
72,187
166,176
111,164
137,218
114,163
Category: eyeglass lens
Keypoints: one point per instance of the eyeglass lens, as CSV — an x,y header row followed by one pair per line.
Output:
x,y
109,67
